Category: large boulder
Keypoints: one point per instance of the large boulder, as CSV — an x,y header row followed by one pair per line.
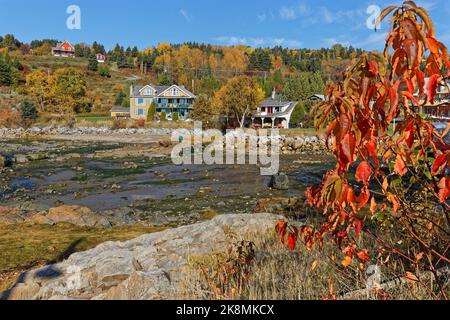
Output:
x,y
149,267
80,216
10,215
279,181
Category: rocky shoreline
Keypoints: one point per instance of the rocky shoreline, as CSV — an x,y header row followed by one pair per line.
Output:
x,y
288,145
147,268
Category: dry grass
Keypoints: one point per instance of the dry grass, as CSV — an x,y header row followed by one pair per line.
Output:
x,y
278,273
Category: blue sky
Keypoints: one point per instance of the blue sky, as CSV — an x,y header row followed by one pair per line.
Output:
x,y
290,23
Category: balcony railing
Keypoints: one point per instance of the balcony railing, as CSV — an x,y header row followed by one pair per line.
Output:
x,y
175,105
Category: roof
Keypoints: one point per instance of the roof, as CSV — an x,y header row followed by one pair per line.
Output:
x,y
118,109
159,90
270,102
60,46
318,96
290,107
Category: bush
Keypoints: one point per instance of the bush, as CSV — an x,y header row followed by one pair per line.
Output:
x,y
119,124
175,116
163,116
104,71
28,110
10,119
140,123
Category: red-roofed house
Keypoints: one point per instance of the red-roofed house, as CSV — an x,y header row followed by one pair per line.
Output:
x,y
64,49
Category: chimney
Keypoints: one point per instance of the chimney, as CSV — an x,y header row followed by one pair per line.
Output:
x,y
274,94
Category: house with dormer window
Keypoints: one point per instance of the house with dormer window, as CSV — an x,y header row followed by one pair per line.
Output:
x,y
274,112
168,99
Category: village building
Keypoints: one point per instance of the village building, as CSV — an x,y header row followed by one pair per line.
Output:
x,y
315,98
101,58
274,112
439,109
64,49
168,99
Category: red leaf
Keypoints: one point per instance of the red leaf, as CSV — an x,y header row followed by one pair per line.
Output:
x,y
347,149
444,189
373,67
364,172
292,241
281,228
363,198
432,86
363,256
439,163
400,166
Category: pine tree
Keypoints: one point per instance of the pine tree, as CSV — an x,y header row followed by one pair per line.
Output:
x,y
93,63
6,78
151,112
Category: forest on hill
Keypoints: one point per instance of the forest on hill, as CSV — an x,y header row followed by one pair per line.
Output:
x,y
201,68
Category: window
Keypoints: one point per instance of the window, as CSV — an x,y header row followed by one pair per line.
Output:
x,y
174,91
140,112
140,101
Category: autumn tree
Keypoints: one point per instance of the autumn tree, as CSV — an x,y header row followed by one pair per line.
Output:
x,y
239,98
68,88
38,88
204,110
400,177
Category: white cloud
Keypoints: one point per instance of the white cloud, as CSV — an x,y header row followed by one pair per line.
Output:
x,y
373,41
261,17
259,42
186,15
288,13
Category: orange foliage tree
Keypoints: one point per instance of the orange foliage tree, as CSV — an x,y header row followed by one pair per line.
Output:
x,y
401,188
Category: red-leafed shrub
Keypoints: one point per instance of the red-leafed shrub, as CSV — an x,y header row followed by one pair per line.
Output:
x,y
10,119
400,189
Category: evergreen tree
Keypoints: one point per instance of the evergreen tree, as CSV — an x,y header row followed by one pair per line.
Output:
x,y
175,116
163,116
151,112
28,110
164,80
260,60
6,76
93,63
120,96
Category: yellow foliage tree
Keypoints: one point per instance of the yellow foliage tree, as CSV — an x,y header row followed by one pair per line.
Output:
x,y
239,97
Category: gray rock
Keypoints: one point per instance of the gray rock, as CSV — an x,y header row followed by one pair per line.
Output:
x,y
279,181
109,270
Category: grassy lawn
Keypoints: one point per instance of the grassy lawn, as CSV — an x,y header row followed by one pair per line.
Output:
x,y
24,246
93,119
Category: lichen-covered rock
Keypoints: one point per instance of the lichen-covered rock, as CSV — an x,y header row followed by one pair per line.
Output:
x,y
80,216
10,215
279,181
148,267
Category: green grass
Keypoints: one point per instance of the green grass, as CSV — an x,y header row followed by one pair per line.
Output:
x,y
93,119
23,246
